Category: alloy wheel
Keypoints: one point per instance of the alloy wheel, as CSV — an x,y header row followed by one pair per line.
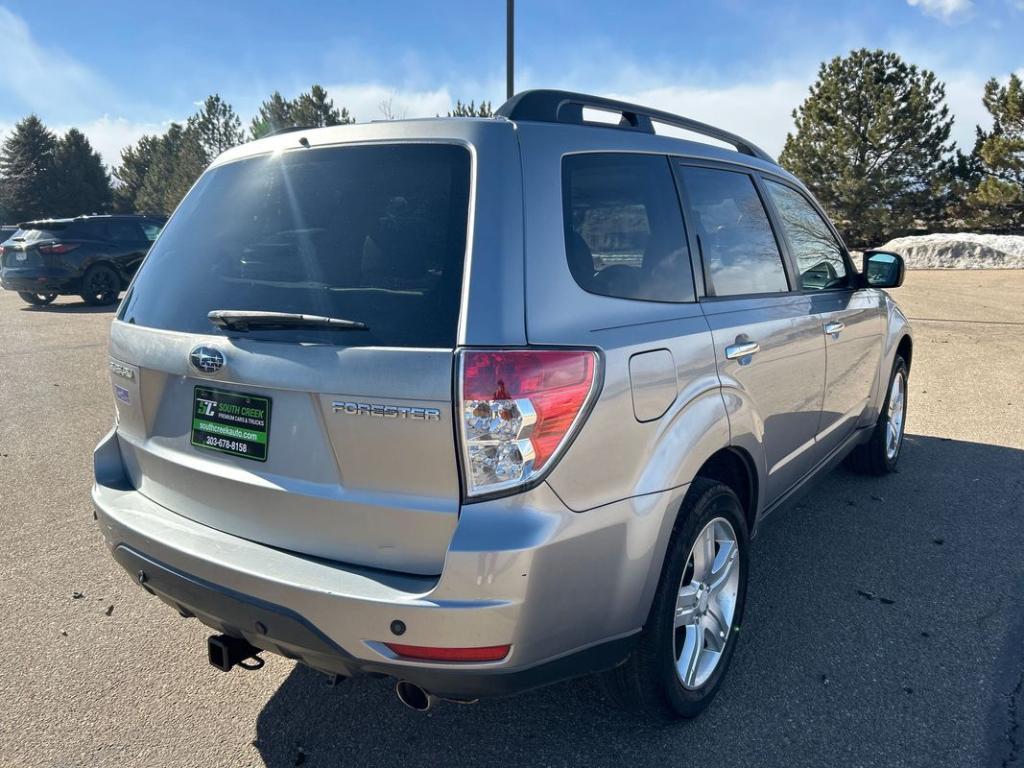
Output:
x,y
39,299
102,285
897,410
706,603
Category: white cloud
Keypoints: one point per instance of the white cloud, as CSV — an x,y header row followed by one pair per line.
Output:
x,y
758,106
963,95
363,100
761,113
944,9
45,79
109,135
62,91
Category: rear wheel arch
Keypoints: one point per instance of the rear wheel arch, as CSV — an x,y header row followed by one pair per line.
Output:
x,y
734,467
905,349
650,679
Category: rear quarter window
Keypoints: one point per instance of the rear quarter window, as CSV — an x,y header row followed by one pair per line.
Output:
x,y
151,229
624,234
123,231
88,229
374,233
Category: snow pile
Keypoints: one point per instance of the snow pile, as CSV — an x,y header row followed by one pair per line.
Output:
x,y
959,251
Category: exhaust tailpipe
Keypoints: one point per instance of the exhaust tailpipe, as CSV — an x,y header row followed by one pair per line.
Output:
x,y
414,697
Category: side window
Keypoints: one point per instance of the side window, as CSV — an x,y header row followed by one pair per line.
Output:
x,y
125,231
819,257
152,229
624,234
739,250
89,229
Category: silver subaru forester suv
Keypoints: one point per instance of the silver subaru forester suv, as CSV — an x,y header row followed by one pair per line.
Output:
x,y
483,404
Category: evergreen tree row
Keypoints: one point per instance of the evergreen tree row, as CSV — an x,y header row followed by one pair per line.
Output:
x,y
39,171
43,175
871,140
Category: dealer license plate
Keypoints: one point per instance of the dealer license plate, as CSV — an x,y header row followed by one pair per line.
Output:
x,y
231,422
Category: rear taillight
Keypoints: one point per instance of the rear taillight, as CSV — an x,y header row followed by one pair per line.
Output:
x,y
519,408
58,248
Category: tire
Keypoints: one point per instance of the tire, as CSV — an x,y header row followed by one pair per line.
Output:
x,y
101,286
37,299
648,681
879,456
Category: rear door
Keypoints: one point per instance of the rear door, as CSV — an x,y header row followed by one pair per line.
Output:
x,y
128,244
333,443
851,320
768,342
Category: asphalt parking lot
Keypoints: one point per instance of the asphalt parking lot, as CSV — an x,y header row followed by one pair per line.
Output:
x,y
884,626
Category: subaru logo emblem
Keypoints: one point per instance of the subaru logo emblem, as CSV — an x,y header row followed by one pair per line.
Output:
x,y
206,359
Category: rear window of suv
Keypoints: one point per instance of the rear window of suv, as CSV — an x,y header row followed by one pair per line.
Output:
x,y
32,234
373,233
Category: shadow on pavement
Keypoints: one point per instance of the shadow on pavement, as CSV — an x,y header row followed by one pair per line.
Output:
x,y
73,308
879,616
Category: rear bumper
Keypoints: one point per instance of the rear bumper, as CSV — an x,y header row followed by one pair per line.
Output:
x,y
289,634
568,591
39,279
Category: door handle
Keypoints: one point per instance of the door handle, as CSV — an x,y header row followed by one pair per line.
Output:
x,y
745,349
834,328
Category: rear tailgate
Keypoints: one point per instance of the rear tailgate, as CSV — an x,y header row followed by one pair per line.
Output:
x,y
346,483
335,444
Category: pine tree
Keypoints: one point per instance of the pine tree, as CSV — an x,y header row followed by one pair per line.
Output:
x,y
26,165
152,196
314,109
190,160
273,114
156,173
998,200
216,126
471,110
81,181
965,177
871,143
131,173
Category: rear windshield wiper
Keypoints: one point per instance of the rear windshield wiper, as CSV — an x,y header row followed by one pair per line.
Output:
x,y
244,320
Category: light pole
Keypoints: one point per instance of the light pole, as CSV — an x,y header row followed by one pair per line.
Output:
x,y
510,48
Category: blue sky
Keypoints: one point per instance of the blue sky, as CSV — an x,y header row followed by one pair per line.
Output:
x,y
118,69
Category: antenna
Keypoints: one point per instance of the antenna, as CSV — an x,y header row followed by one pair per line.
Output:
x,y
510,47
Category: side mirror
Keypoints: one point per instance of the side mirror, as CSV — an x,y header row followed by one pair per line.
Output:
x,y
883,269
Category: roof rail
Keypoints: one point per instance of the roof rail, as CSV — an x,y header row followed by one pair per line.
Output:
x,y
550,106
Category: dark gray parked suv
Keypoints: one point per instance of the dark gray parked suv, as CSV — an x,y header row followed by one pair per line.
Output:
x,y
482,404
91,256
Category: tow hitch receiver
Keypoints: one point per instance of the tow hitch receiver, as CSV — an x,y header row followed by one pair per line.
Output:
x,y
226,652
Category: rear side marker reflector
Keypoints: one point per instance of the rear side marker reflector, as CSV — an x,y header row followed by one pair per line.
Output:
x,y
519,408
429,653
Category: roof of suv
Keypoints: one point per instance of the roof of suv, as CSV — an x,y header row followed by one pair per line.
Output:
x,y
564,108
42,223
